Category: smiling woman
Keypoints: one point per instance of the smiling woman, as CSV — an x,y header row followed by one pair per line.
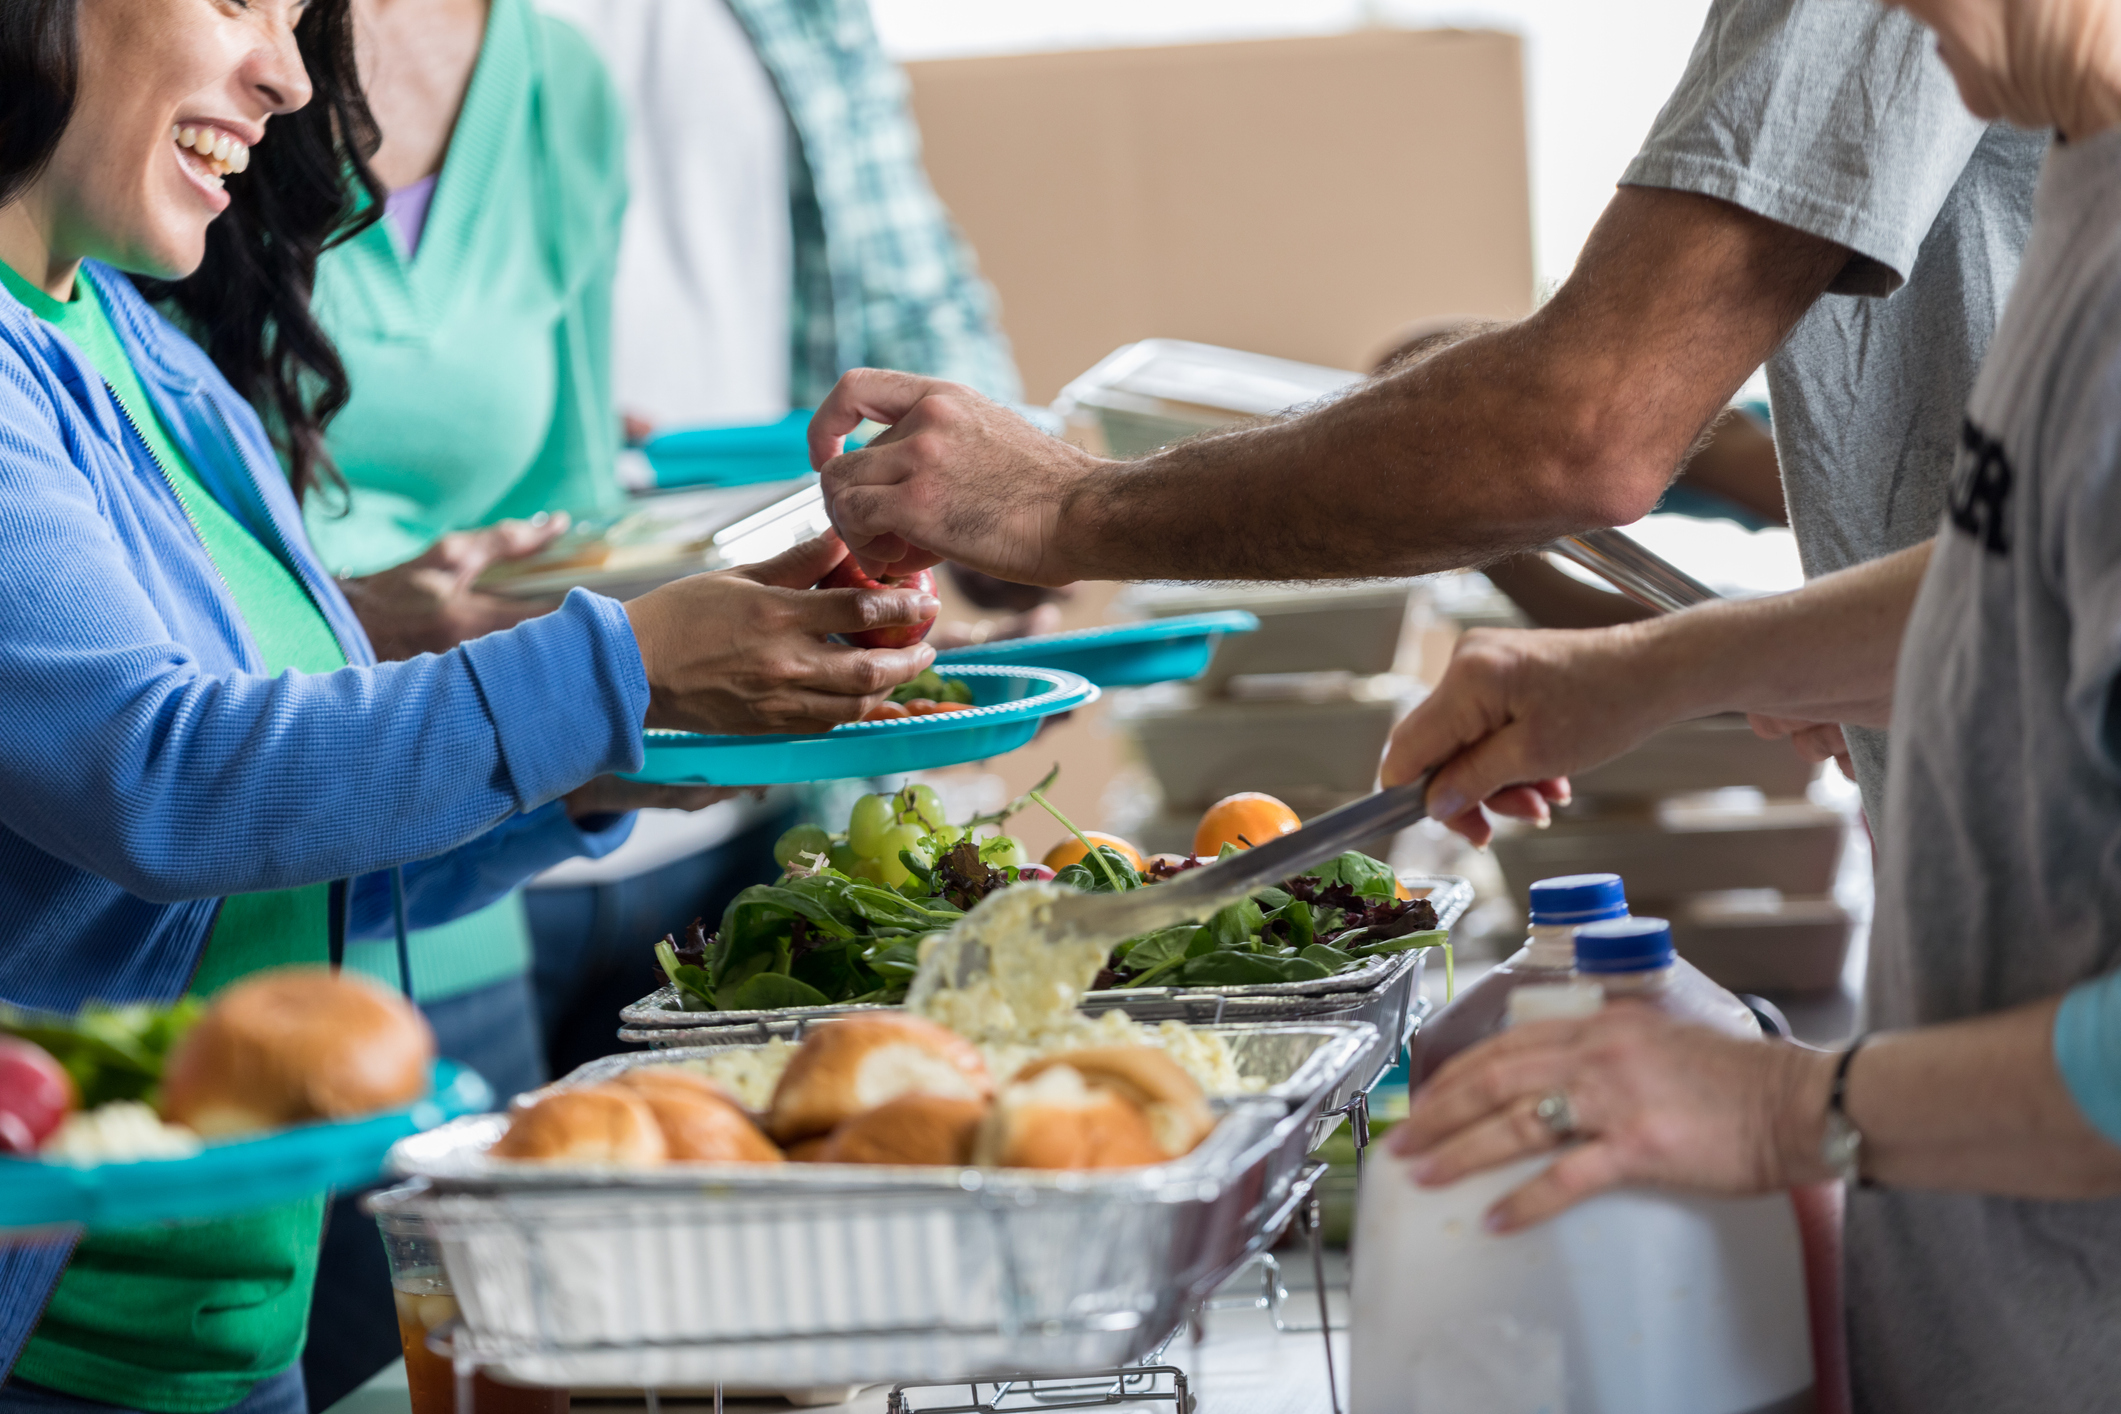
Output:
x,y
204,770
154,203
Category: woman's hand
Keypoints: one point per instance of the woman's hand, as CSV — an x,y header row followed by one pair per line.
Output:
x,y
1655,1101
747,650
428,604
1516,711
615,795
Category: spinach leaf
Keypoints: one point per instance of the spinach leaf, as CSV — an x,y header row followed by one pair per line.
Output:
x,y
1297,914
837,972
896,958
1369,878
1151,948
769,990
1087,877
1434,937
1330,958
1237,924
1224,968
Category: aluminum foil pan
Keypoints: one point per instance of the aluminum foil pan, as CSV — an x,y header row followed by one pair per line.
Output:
x,y
802,1274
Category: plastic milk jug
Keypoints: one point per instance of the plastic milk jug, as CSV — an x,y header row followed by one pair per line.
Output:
x,y
1633,1302
1559,907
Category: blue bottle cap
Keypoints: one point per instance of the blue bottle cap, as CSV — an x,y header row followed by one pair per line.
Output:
x,y
1578,898
1624,945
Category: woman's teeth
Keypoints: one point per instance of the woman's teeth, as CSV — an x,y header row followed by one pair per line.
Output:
x,y
220,153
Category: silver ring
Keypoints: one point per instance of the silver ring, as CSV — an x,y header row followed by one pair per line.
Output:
x,y
1557,1114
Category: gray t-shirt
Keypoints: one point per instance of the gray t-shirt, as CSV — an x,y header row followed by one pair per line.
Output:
x,y
2000,870
1836,117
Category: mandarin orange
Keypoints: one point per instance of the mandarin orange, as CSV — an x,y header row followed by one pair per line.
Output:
x,y
1245,819
1070,851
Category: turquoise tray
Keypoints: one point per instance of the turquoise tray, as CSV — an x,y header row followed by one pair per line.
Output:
x,y
1123,655
232,1177
732,456
1009,703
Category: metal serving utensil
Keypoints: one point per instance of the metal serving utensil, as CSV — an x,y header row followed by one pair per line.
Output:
x,y
1199,892
1633,569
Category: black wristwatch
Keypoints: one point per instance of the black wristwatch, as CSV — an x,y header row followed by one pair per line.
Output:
x,y
1841,1147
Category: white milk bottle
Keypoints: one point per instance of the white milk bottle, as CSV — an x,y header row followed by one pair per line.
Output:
x,y
1632,1302
1559,907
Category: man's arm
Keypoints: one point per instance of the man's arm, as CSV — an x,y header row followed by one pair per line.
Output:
x,y
1573,418
1521,707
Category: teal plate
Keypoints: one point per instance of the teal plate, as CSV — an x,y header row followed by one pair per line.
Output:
x,y
1122,655
1008,705
734,455
232,1177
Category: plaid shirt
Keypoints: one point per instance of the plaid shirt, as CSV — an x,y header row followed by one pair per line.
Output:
x,y
883,278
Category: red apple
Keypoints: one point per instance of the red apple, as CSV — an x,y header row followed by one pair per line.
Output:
x,y
848,574
35,1094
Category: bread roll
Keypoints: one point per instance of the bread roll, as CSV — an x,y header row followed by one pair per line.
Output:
x,y
1159,1086
1055,1121
913,1129
295,1044
705,1128
647,1078
806,1151
852,1065
598,1124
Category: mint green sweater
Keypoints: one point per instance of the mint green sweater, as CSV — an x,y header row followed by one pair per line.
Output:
x,y
481,367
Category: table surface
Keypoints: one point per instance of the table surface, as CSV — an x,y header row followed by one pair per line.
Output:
x,y
1242,1366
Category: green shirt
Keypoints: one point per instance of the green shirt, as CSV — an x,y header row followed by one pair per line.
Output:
x,y
481,365
188,1317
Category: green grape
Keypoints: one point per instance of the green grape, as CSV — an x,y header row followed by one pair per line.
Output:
x,y
866,825
922,806
802,840
844,858
1003,852
898,837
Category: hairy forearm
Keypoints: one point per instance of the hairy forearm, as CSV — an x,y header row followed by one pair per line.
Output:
x,y
1574,418
1972,1106
1825,652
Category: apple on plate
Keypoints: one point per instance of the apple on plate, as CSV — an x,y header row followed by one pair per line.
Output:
x,y
35,1094
849,574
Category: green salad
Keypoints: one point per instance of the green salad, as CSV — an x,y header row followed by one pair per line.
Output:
x,y
844,921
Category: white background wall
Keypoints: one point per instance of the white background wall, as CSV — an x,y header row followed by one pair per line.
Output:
x,y
1598,70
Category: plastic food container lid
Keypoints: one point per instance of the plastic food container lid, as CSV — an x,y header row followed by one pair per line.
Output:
x,y
1578,898
1624,945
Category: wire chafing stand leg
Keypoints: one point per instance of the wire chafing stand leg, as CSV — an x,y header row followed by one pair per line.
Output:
x,y
1359,1128
1314,1224
1096,1390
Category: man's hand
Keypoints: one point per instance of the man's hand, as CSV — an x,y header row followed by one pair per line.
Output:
x,y
1516,711
956,477
428,604
748,650
1656,1101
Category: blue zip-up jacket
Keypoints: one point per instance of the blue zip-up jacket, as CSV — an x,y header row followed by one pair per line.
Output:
x,y
148,768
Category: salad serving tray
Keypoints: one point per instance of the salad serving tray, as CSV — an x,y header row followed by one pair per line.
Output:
x,y
1119,655
1008,705
232,1176
1450,895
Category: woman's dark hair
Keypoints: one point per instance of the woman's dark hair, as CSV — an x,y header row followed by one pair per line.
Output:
x,y
248,302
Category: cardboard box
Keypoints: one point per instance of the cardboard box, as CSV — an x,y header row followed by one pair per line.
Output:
x,y
1306,198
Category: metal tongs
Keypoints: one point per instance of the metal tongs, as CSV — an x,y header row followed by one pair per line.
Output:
x,y
1199,892
1622,562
